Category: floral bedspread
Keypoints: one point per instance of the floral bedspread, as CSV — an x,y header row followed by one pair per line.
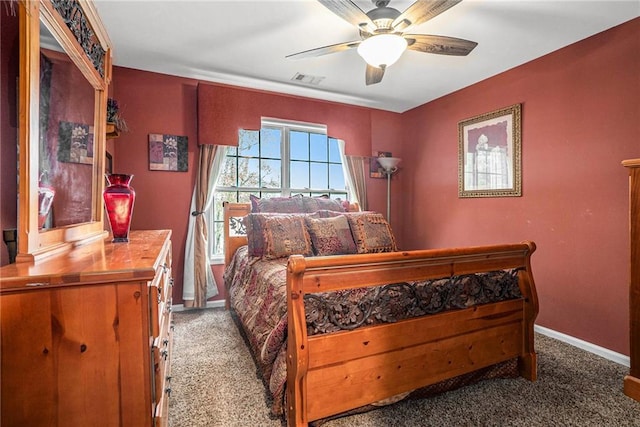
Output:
x,y
257,290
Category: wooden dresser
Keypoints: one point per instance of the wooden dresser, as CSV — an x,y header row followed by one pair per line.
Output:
x,y
632,381
86,336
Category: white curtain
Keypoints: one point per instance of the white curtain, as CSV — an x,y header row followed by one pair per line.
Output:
x,y
198,281
355,175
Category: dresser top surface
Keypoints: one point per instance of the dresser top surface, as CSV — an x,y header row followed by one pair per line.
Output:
x,y
97,262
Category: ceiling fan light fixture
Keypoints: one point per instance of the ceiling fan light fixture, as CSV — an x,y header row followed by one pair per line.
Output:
x,y
382,49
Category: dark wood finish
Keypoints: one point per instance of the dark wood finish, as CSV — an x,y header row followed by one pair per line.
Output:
x,y
632,381
332,373
86,335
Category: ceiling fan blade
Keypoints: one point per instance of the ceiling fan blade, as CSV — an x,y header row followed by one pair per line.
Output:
x,y
350,12
421,11
441,45
374,75
325,50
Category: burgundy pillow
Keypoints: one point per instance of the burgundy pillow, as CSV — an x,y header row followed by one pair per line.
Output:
x,y
277,204
256,225
286,235
314,204
371,232
331,236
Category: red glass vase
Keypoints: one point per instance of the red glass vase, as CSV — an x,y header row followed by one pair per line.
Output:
x,y
119,197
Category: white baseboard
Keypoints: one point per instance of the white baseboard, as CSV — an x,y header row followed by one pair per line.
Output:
x,y
584,345
210,304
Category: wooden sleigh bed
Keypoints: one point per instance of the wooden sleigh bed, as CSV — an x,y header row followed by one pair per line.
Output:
x,y
382,361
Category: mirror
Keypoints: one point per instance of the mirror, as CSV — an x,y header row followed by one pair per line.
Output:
x,y
66,143
489,154
64,76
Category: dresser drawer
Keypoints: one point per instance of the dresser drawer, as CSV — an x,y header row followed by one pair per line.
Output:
x,y
164,392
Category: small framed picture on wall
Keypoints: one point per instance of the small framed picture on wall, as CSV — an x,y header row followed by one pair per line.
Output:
x,y
168,152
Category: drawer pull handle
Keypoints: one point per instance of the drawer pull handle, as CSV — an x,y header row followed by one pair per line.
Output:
x,y
83,348
168,391
165,342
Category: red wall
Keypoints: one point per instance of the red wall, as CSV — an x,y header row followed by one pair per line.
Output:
x,y
580,119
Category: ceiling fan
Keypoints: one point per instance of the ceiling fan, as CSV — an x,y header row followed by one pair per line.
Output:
x,y
382,32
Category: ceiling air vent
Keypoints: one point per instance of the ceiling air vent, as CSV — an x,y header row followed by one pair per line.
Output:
x,y
307,79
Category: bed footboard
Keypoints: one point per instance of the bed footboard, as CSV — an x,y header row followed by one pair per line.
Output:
x,y
332,373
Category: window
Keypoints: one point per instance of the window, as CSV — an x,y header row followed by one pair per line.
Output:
x,y
281,159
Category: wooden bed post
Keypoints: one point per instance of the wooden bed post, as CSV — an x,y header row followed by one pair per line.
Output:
x,y
297,350
232,241
528,363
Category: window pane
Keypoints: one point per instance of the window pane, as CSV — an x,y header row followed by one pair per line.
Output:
x,y
243,197
249,143
218,238
334,151
248,172
270,143
319,149
336,177
220,197
319,175
228,175
271,173
298,174
299,145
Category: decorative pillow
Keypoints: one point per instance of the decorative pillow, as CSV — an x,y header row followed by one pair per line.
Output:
x,y
371,232
286,235
331,236
254,224
314,204
277,204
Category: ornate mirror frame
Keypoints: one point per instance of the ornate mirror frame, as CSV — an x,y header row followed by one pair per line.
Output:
x,y
76,26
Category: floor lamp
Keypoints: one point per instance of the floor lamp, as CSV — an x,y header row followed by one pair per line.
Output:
x,y
390,166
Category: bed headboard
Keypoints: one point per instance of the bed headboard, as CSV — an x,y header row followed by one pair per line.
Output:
x,y
235,232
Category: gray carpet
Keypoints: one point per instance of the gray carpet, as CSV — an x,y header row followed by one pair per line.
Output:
x,y
215,384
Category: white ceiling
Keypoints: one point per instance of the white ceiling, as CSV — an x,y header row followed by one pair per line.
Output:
x,y
244,43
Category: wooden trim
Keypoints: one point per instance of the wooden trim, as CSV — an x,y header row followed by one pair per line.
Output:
x,y
632,381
